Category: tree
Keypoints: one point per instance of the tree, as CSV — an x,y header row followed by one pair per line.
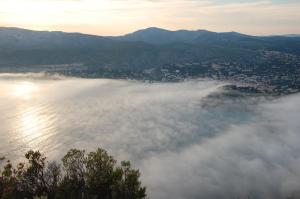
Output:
x,y
52,179
73,183
107,181
33,182
131,186
100,176
8,181
95,176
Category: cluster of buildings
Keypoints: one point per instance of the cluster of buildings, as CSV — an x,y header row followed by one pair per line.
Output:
x,y
275,72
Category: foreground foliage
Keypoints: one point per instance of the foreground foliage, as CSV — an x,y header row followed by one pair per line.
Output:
x,y
92,176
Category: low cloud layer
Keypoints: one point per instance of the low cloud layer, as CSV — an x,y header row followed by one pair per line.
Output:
x,y
189,139
255,160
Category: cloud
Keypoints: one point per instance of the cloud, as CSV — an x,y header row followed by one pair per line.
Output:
x,y
259,160
188,139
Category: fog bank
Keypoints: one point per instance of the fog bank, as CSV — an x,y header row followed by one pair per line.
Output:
x,y
189,139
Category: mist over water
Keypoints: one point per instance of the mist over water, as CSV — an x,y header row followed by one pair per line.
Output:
x,y
190,140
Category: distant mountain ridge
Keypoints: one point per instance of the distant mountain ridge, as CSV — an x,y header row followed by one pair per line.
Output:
x,y
147,48
22,38
155,35
160,36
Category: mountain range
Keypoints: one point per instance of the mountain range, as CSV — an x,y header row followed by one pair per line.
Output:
x,y
143,49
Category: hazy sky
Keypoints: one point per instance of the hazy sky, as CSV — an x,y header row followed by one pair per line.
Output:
x,y
114,17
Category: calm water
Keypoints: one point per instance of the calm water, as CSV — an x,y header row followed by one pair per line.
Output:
x,y
189,139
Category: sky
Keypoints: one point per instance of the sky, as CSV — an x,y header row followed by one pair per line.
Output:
x,y
117,17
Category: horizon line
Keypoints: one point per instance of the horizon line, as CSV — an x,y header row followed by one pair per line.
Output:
x,y
140,29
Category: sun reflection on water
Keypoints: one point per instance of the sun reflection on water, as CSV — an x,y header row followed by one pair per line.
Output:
x,y
32,119
31,124
35,125
24,90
